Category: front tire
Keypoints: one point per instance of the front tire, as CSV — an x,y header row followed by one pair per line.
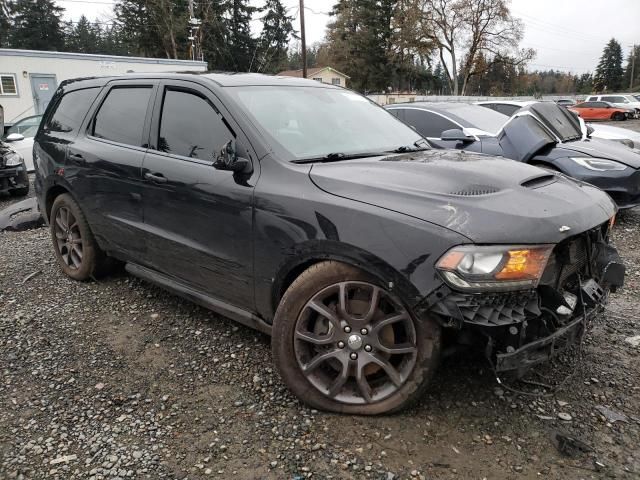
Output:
x,y
618,117
343,343
76,250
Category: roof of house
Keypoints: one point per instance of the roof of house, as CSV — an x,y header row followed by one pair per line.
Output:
x,y
310,72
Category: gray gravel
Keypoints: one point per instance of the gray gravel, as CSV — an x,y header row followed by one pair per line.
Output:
x,y
118,379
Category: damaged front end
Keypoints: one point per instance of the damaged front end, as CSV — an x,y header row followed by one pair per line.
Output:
x,y
521,326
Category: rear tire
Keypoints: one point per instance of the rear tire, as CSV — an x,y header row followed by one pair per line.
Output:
x,y
343,343
76,250
23,178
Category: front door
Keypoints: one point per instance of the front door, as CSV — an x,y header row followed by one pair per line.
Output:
x,y
198,219
43,87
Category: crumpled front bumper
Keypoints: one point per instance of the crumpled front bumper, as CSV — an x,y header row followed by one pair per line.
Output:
x,y
521,329
10,178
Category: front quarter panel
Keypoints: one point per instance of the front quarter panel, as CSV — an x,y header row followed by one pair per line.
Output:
x,y
297,224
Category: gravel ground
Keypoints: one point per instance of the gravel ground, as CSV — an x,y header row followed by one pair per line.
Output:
x,y
118,379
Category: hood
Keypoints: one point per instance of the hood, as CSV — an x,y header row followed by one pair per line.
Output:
x,y
486,199
610,132
601,148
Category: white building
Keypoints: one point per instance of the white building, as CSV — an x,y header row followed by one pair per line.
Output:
x,y
29,78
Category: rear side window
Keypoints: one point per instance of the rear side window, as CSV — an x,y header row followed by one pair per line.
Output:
x,y
427,124
506,109
613,99
592,99
122,115
71,109
191,127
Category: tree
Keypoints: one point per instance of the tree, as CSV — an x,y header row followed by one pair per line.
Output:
x,y
241,46
139,34
4,23
36,25
460,30
277,30
83,37
609,71
635,66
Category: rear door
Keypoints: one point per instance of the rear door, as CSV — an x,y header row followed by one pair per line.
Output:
x,y
199,219
104,165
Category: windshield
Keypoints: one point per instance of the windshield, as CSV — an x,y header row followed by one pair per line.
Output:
x,y
478,117
312,122
637,97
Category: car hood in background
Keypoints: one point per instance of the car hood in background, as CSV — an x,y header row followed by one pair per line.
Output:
x,y
611,132
601,148
487,199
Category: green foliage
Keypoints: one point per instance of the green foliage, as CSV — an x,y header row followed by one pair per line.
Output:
x,y
277,30
609,73
36,25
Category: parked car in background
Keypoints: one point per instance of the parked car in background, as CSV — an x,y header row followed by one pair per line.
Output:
x,y
565,102
626,101
20,135
593,110
622,135
542,133
13,172
355,245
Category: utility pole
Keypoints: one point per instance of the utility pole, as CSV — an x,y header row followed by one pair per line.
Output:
x,y
194,37
633,65
304,42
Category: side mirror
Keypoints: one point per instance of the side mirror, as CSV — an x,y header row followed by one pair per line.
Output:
x,y
455,135
590,130
14,137
229,160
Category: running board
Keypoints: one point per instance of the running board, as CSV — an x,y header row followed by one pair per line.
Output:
x,y
234,313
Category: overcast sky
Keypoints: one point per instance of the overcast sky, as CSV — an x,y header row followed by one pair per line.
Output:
x,y
568,35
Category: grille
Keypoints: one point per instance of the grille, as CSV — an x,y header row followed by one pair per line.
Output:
x,y
476,190
569,258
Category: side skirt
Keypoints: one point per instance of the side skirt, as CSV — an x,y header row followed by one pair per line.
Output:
x,y
234,313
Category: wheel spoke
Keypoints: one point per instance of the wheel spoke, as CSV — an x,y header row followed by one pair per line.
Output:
x,y
363,384
60,221
77,250
340,380
315,339
318,360
388,321
398,349
74,258
389,369
373,305
326,312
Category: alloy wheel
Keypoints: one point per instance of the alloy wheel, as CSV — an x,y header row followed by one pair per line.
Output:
x,y
355,343
68,238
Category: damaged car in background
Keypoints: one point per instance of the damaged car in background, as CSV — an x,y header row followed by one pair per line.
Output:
x,y
13,171
358,248
542,134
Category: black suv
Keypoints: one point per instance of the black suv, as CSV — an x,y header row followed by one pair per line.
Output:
x,y
308,212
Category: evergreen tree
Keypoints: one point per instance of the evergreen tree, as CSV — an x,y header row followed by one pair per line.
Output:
x,y
36,25
277,30
609,71
4,23
636,69
83,37
138,33
241,46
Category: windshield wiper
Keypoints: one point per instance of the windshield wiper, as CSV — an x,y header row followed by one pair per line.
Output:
x,y
418,146
336,157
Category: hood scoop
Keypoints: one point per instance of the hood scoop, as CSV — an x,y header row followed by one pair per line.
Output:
x,y
541,181
475,191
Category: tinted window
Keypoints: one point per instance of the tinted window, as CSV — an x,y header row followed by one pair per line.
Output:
x,y
122,114
426,123
506,109
191,127
71,110
592,99
614,99
599,105
584,105
397,112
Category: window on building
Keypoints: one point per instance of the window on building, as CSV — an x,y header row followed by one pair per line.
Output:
x,y
8,84
71,109
122,115
335,81
191,127
318,79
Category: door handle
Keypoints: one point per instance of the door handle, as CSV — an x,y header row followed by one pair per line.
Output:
x,y
155,177
77,157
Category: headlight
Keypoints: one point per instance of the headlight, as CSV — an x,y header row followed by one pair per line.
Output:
x,y
13,159
499,267
598,164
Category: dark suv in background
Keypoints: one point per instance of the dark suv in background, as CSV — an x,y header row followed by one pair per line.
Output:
x,y
308,212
